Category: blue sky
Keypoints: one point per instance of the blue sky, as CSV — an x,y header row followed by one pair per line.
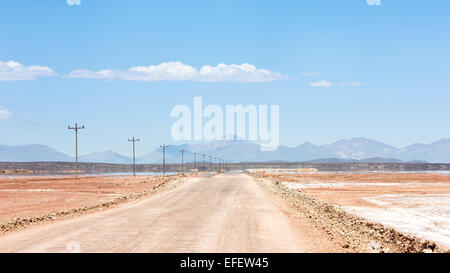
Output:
x,y
338,69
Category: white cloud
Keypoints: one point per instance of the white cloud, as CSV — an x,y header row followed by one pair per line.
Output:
x,y
14,71
322,83
239,73
169,71
87,74
4,113
177,71
374,2
73,2
353,84
310,74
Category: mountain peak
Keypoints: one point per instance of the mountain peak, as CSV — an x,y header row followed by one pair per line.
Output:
x,y
30,153
105,157
442,141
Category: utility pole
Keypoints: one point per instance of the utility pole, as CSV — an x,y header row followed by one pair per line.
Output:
x,y
76,128
164,146
210,163
195,160
215,163
182,160
134,153
204,166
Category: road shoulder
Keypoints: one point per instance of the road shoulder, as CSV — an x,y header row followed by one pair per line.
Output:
x,y
353,233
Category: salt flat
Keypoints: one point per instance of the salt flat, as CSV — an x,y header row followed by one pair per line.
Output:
x,y
413,203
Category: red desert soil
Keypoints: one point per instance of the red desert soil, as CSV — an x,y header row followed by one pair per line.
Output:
x,y
23,196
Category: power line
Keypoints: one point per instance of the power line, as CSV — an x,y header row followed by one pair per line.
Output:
x,y
37,123
27,127
76,128
46,127
112,139
134,140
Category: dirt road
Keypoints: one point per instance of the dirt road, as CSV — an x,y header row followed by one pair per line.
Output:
x,y
224,213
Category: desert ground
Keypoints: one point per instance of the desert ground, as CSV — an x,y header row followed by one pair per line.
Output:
x,y
417,204
29,196
223,213
228,212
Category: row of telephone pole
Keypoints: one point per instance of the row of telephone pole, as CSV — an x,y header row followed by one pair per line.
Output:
x,y
218,165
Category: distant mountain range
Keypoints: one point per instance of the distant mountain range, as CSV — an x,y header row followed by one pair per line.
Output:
x,y
32,152
347,150
105,157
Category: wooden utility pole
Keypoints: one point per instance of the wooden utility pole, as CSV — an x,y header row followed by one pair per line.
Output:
x,y
210,163
204,165
182,160
134,140
76,128
164,146
195,160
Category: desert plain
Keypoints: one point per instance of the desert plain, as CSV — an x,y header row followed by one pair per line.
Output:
x,y
251,211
